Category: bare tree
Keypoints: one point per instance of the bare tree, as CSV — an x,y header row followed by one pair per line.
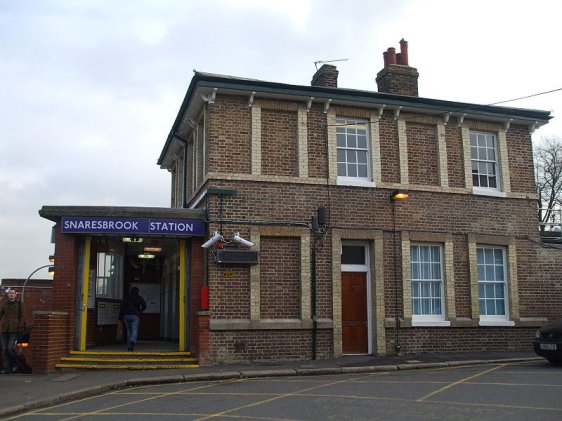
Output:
x,y
548,173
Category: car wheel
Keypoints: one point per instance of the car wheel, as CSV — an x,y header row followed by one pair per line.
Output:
x,y
555,360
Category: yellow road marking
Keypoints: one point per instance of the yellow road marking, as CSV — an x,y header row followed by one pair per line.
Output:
x,y
284,395
459,382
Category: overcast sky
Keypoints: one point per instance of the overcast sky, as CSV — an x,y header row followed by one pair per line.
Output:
x,y
90,88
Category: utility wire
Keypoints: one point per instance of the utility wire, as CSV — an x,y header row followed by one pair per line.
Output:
x,y
463,109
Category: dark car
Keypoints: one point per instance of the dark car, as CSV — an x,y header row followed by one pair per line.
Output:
x,y
548,341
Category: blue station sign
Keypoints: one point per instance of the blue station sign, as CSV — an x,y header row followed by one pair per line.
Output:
x,y
132,226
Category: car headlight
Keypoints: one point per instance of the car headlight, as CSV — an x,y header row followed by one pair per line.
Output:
x,y
538,334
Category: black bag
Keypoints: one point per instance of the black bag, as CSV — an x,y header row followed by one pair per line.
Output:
x,y
24,335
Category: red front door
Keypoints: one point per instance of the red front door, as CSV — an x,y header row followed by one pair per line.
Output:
x,y
354,312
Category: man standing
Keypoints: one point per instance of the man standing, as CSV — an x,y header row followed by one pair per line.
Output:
x,y
12,317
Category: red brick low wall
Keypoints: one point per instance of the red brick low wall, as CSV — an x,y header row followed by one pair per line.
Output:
x,y
48,341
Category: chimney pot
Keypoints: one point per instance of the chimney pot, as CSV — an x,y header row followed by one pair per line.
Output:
x,y
404,52
391,55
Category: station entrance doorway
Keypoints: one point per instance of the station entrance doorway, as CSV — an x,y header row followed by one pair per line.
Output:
x,y
109,266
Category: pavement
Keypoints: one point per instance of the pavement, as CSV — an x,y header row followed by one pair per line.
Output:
x,y
23,392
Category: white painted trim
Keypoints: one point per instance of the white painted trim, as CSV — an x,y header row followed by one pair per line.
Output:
x,y
429,323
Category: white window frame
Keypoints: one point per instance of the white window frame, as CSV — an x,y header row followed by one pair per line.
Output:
x,y
343,124
429,319
474,158
494,320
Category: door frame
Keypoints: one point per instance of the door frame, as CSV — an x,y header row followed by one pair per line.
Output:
x,y
366,268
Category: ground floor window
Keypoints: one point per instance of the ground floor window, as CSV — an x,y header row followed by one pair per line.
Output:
x,y
427,282
492,282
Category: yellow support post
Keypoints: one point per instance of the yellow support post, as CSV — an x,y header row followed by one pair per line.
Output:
x,y
85,291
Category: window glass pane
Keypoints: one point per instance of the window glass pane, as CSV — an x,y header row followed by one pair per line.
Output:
x,y
481,273
362,157
500,307
362,171
479,256
425,307
351,170
436,306
488,256
499,291
493,182
362,142
490,290
351,141
425,272
482,307
351,156
490,308
436,269
415,267
353,255
499,273
341,170
341,139
415,253
481,290
481,141
490,273
416,307
341,155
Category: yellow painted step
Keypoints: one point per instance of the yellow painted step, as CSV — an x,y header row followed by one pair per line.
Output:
x,y
129,360
125,367
148,353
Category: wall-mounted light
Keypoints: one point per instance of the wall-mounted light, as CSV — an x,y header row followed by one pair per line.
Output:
x,y
51,271
397,195
153,249
146,256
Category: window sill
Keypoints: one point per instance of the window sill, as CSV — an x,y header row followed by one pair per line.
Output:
x,y
431,323
504,323
488,192
350,181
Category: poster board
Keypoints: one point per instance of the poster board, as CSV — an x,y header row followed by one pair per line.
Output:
x,y
108,311
151,294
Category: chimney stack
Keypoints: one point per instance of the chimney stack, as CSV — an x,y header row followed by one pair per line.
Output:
x,y
397,77
326,76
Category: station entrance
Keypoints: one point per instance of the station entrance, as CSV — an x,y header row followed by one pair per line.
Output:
x,y
112,265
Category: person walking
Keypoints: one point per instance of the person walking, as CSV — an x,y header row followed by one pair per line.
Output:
x,y
12,316
132,307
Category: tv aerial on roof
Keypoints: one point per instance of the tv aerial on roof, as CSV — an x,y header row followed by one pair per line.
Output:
x,y
316,63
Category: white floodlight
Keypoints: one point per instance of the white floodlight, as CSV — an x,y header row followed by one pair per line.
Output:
x,y
216,237
240,240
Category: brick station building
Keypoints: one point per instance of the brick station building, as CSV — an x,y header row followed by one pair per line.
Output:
x,y
308,252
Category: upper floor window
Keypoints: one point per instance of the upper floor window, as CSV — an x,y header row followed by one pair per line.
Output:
x,y
492,282
427,282
484,156
353,151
